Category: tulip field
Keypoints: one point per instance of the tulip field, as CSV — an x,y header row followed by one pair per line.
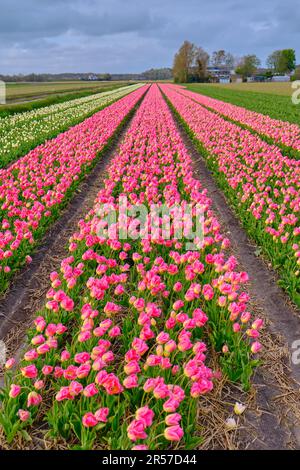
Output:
x,y
21,132
35,186
137,330
280,132
271,99
258,178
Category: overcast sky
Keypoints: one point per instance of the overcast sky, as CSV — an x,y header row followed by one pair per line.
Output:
x,y
134,35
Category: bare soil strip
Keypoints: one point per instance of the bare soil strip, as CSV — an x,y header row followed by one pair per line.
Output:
x,y
273,417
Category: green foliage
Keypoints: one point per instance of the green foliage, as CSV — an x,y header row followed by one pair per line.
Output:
x,y
282,61
296,75
248,65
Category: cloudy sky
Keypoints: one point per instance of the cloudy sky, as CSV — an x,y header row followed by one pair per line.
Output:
x,y
134,35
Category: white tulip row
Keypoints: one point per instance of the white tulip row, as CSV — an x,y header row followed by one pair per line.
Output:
x,y
23,131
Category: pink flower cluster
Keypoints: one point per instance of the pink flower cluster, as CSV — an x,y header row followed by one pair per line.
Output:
x,y
261,182
281,132
122,341
32,189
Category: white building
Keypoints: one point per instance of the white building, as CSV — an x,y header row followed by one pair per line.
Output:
x,y
281,78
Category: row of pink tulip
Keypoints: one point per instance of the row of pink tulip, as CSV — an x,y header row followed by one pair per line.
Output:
x,y
117,357
281,132
261,183
33,189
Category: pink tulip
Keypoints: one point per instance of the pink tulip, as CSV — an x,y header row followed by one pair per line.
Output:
x,y
145,414
63,394
82,358
14,390
173,419
10,363
65,356
39,339
255,347
132,367
89,420
39,384
90,390
75,388
83,371
101,415
46,370
24,415
33,399
131,381
136,430
29,371
112,385
173,433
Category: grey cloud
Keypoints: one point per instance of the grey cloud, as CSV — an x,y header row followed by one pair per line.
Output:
x,y
132,35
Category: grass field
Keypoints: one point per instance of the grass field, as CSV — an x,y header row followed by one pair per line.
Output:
x,y
268,87
273,99
27,91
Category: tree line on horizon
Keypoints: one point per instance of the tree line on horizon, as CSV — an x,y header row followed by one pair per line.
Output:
x,y
164,73
191,63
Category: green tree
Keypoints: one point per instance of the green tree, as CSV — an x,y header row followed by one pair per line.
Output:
x,y
296,75
248,65
273,60
282,61
290,59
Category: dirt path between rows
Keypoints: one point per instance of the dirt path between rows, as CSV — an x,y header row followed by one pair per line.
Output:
x,y
274,416
28,288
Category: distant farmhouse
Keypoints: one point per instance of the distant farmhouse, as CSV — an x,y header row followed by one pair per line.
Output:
x,y
220,74
261,75
91,77
228,75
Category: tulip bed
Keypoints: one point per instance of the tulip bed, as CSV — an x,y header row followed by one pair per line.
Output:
x,y
261,183
271,104
21,132
35,188
283,133
117,358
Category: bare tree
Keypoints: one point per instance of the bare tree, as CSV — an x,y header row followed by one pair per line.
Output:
x,y
190,63
201,62
230,60
218,58
222,58
183,62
